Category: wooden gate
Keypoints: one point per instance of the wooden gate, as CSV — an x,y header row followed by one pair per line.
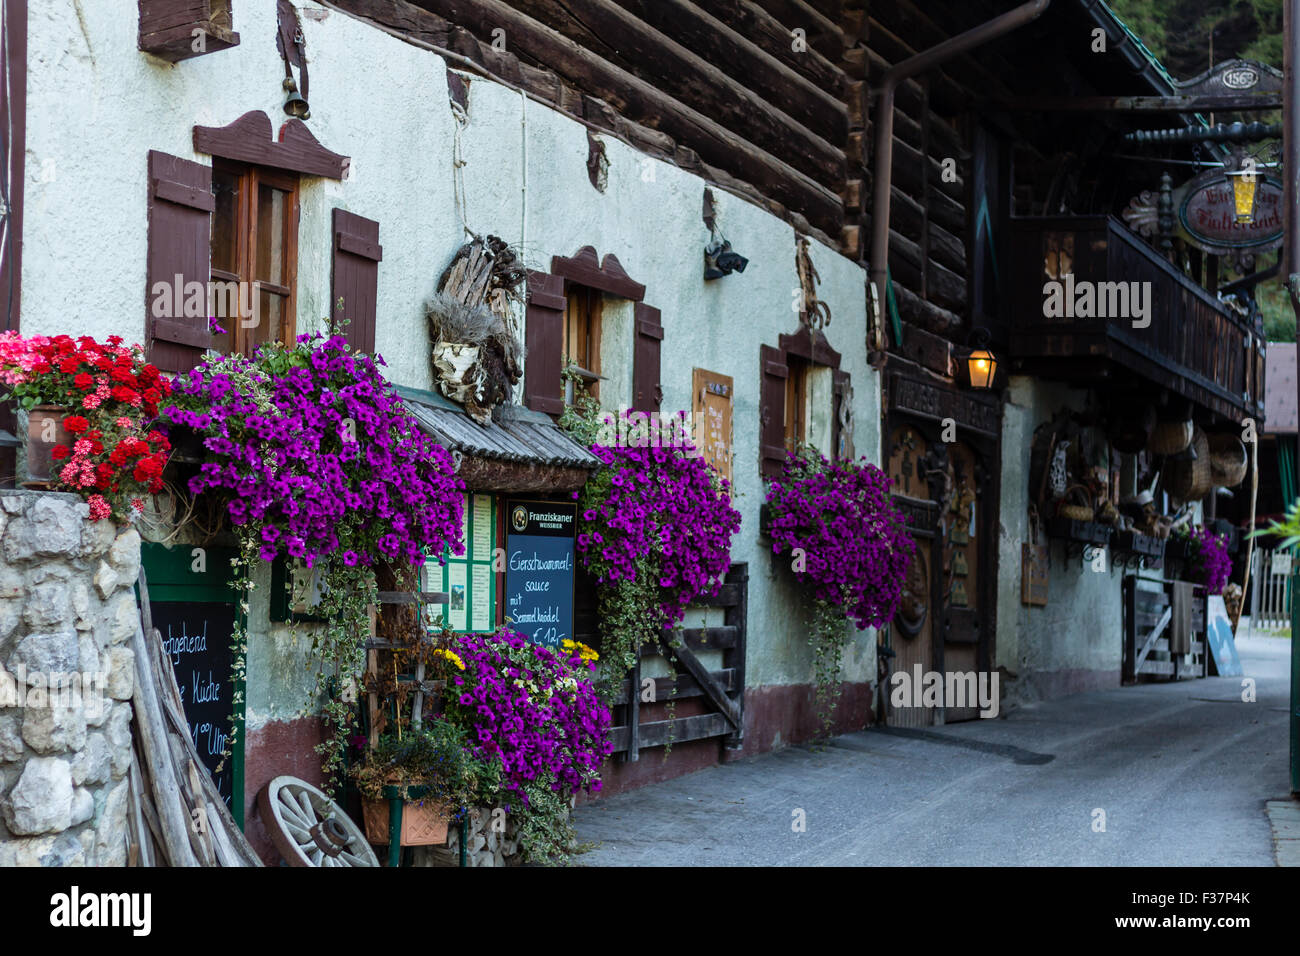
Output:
x,y
1147,616
1270,605
720,694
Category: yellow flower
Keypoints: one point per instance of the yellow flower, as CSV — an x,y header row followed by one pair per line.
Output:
x,y
450,656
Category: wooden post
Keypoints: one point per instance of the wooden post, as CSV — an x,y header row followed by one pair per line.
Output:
x,y
634,712
1128,673
734,657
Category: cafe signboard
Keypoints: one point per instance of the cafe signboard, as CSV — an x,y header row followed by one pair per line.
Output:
x,y
1207,215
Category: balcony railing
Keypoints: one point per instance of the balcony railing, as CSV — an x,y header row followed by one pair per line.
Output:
x,y
1186,340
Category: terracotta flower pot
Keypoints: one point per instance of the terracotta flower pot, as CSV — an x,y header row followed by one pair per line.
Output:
x,y
44,431
424,823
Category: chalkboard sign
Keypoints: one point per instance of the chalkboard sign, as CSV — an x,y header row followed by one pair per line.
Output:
x,y
194,607
540,569
196,637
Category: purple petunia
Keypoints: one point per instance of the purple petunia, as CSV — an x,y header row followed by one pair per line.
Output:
x,y
281,452
855,543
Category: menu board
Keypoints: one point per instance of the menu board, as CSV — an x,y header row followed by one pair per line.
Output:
x,y
711,404
196,636
540,569
467,578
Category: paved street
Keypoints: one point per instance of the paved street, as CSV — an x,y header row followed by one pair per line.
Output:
x,y
1182,771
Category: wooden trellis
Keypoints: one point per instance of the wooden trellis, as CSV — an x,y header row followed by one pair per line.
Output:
x,y
722,691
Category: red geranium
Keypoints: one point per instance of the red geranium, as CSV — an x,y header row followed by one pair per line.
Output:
x,y
115,394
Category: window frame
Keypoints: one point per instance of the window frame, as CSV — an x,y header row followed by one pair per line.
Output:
x,y
591,303
251,178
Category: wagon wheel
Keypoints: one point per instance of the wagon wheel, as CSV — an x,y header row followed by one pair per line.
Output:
x,y
309,829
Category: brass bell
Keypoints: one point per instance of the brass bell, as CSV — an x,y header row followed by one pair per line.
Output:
x,y
294,104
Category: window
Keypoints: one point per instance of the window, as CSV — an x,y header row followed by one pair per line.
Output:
x,y
796,402
804,400
254,255
581,342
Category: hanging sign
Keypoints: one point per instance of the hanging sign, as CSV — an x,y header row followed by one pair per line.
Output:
x,y
1207,214
540,569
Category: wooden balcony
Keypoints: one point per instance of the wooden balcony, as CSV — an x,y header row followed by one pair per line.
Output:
x,y
1194,345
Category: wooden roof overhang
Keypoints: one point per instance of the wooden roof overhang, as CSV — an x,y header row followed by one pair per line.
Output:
x,y
1194,345
518,451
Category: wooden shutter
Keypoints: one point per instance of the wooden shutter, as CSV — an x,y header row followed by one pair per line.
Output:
x,y
544,339
773,373
355,283
180,234
647,392
842,421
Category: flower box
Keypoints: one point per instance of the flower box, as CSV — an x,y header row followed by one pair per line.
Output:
x,y
1139,545
423,822
1084,532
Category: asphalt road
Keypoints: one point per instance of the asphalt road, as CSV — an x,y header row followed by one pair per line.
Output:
x,y
1182,772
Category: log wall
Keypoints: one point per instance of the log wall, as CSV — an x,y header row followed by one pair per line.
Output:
x,y
768,98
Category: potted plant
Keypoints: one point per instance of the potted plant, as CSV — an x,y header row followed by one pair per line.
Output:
x,y
91,409
532,712
851,550
432,770
1208,563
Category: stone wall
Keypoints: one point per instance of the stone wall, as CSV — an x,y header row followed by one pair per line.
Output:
x,y
67,613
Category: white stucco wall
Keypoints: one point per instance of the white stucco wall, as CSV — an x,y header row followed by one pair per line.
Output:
x,y
96,105
1076,640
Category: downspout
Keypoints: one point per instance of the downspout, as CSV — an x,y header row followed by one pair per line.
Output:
x,y
882,175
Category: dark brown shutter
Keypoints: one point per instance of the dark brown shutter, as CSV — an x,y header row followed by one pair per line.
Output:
x,y
544,338
647,392
180,234
841,440
773,372
355,283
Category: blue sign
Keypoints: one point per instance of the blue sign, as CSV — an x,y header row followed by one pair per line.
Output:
x,y
540,565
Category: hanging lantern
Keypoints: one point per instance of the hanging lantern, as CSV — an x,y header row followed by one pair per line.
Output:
x,y
1244,182
982,366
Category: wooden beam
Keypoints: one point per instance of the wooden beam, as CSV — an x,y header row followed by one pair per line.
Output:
x,y
1134,104
642,101
681,730
822,32
746,62
769,34
716,694
606,30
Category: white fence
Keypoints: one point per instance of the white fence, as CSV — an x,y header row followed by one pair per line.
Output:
x,y
1270,605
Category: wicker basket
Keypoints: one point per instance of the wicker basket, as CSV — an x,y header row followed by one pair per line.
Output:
x,y
1077,509
1191,480
1170,438
1227,459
